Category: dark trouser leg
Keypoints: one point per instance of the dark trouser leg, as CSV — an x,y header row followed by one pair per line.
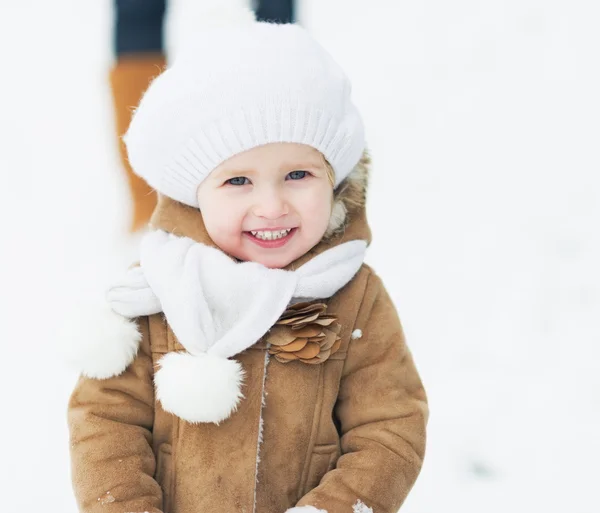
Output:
x,y
139,26
280,11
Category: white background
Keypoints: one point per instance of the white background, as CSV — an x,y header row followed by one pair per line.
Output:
x,y
483,120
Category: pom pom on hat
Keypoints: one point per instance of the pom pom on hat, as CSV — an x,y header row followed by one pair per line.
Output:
x,y
218,14
236,86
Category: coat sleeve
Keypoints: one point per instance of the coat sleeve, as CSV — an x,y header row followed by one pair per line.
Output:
x,y
382,413
110,425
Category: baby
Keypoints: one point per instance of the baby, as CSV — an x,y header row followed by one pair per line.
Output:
x,y
252,362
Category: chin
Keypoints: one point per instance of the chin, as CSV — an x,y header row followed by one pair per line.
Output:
x,y
270,261
274,262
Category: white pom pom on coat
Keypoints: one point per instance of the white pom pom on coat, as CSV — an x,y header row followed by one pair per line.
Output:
x,y
199,388
98,342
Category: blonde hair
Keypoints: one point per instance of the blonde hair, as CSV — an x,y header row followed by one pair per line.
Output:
x,y
329,170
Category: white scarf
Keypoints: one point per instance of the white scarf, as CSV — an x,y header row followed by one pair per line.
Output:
x,y
218,307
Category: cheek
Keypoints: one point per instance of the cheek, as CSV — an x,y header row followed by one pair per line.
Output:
x,y
221,218
315,210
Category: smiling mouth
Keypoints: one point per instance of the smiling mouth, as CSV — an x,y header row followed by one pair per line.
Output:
x,y
271,234
271,238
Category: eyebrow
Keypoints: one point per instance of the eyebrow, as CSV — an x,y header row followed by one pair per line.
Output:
x,y
234,172
304,164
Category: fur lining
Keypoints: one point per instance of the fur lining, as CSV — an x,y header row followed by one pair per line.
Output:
x,y
337,219
100,343
261,424
199,388
350,196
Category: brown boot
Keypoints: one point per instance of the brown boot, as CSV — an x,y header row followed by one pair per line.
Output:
x,y
129,79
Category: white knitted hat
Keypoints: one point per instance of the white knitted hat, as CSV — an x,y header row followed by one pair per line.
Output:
x,y
237,87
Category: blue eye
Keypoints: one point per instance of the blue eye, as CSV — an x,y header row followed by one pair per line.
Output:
x,y
238,180
297,175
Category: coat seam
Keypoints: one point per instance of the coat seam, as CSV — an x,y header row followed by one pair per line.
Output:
x,y
168,495
260,425
316,420
175,428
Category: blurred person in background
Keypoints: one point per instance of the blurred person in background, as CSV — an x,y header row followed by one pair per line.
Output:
x,y
140,56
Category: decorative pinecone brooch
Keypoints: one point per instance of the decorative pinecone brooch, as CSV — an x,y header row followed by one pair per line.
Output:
x,y
304,332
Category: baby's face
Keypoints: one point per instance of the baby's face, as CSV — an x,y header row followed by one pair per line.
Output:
x,y
270,204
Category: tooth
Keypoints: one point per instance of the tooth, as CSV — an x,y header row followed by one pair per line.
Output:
x,y
271,235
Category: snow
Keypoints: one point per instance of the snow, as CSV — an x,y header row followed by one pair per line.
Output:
x,y
482,118
361,507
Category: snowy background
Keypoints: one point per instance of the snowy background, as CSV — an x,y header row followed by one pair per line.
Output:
x,y
483,119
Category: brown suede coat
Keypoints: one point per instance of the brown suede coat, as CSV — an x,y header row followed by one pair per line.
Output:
x,y
351,428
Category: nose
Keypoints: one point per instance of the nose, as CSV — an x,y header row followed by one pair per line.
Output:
x,y
270,204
